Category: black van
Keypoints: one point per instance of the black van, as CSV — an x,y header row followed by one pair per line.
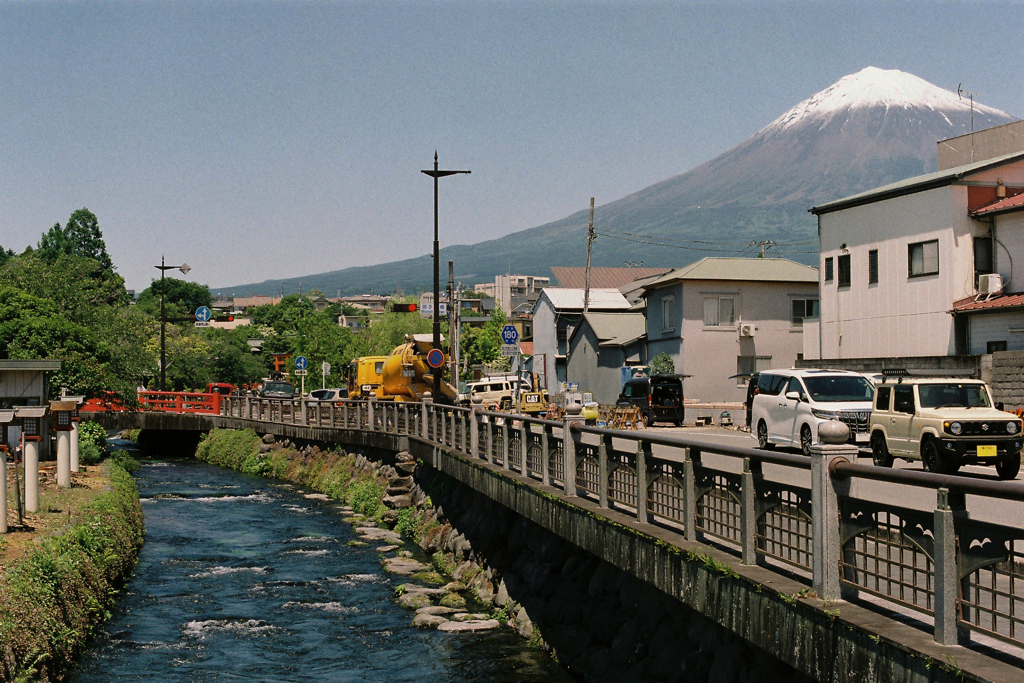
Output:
x,y
659,398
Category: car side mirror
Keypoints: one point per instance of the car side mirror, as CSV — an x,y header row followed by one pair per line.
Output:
x,y
793,395
1000,405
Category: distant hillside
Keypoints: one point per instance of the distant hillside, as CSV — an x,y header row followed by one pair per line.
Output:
x,y
868,129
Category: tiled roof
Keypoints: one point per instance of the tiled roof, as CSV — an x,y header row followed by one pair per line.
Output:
x,y
996,302
576,277
739,269
1014,203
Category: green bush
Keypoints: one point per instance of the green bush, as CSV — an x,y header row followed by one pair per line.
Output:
x,y
124,460
92,432
365,497
662,364
88,453
239,450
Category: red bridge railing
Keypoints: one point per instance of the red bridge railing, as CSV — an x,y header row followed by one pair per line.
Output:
x,y
162,401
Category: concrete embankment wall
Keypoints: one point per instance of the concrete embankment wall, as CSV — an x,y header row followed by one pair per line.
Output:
x,y
53,598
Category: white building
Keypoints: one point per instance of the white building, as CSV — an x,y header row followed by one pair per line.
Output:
x,y
902,267
509,290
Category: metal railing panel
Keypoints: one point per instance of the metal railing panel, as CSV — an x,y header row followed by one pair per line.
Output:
x,y
991,567
784,528
718,505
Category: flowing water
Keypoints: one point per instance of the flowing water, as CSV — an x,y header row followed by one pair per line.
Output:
x,y
246,579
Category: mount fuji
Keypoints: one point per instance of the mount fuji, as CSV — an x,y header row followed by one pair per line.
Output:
x,y
868,129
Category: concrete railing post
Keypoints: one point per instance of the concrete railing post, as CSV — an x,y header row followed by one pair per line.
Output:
x,y
691,464
64,459
506,445
428,416
545,465
949,507
423,418
31,455
827,546
643,456
304,407
474,433
74,445
748,509
489,437
572,444
603,446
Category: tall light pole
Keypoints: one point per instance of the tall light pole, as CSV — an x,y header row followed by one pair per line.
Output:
x,y
184,268
435,174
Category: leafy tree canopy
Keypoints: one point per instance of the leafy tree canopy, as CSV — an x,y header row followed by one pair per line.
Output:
x,y
181,297
81,236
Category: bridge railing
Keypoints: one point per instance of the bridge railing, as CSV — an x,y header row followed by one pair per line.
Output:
x,y
964,575
180,401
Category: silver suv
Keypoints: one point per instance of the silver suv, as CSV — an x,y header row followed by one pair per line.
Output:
x,y
945,423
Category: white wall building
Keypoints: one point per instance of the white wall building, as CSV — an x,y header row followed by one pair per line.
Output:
x,y
897,261
508,290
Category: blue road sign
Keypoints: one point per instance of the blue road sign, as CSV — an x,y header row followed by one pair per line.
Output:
x,y
435,358
203,314
509,334
301,363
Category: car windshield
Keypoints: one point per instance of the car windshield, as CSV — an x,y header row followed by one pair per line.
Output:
x,y
953,395
278,386
838,388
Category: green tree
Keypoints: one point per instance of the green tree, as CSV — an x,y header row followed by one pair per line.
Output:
x,y
81,236
180,297
483,344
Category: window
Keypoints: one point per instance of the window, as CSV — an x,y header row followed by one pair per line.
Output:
x,y
924,258
903,400
828,269
748,365
982,257
803,308
882,398
844,270
794,385
719,311
668,313
873,267
771,384
993,346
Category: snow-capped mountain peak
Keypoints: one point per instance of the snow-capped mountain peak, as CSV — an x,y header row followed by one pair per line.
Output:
x,y
874,87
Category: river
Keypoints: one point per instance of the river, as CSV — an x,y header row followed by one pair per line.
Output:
x,y
247,579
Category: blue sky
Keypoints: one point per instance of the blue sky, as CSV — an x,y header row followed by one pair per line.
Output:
x,y
259,140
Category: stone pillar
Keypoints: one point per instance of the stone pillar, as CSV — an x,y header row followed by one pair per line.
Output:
x,y
428,416
748,509
31,455
690,467
74,445
64,459
825,493
3,487
948,508
474,426
570,445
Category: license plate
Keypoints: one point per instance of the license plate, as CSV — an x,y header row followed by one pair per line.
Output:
x,y
986,451
862,436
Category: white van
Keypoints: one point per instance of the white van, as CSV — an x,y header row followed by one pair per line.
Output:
x,y
789,405
497,390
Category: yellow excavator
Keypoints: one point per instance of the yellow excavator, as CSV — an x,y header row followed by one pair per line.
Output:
x,y
406,375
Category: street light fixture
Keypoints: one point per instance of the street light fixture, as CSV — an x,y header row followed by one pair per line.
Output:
x,y
184,268
435,174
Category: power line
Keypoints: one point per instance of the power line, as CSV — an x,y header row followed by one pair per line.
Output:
x,y
654,243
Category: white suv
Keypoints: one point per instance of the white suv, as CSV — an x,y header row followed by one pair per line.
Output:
x,y
789,405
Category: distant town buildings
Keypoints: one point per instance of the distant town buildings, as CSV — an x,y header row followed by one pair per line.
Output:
x,y
512,291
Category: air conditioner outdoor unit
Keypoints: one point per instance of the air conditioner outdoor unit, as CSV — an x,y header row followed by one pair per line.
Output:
x,y
747,330
990,284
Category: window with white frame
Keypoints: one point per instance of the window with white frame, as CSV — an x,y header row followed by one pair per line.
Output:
x,y
719,311
748,365
803,308
923,258
668,313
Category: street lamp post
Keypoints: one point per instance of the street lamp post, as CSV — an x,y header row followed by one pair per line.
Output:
x,y
184,268
435,174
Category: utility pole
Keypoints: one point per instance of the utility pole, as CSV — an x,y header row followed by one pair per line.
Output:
x,y
590,241
764,244
453,322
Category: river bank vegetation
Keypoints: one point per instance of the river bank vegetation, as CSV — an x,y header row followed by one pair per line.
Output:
x,y
57,589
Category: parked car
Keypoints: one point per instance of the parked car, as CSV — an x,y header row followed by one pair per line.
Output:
x,y
496,390
789,405
944,423
278,389
659,398
323,395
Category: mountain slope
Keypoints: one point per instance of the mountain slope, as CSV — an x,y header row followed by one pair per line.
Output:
x,y
868,129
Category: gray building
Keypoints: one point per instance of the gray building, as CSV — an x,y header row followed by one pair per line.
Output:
x,y
555,314
26,383
599,346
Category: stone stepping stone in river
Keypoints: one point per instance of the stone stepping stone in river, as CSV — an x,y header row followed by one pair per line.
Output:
x,y
386,548
428,620
316,496
414,600
377,534
404,566
466,616
438,609
414,588
468,626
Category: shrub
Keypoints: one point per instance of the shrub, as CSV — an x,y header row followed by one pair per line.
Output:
x,y
662,364
365,497
88,453
92,432
124,460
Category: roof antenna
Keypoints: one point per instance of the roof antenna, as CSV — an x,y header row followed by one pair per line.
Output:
x,y
960,92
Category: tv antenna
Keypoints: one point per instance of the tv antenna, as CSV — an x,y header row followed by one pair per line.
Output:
x,y
960,93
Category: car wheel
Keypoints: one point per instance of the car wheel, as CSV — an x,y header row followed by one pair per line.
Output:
x,y
645,420
880,451
1008,469
762,437
934,461
806,440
